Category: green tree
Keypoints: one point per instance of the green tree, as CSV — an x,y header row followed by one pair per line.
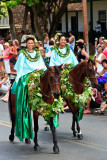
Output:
x,y
44,10
3,10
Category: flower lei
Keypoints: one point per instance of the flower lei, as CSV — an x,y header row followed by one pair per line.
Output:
x,y
68,92
35,97
36,58
56,48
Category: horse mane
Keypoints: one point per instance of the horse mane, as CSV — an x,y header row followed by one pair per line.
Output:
x,y
83,63
79,65
77,76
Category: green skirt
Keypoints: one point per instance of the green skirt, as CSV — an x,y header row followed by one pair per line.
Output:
x,y
23,113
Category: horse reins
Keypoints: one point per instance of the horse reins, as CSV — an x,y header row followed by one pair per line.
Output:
x,y
87,77
50,87
51,92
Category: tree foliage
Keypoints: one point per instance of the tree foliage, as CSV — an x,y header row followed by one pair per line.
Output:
x,y
3,10
43,10
13,3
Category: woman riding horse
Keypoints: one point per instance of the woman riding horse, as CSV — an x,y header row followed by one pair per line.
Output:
x,y
28,61
62,55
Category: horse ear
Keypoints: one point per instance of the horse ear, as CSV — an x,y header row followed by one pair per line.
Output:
x,y
60,67
48,67
89,60
92,61
90,64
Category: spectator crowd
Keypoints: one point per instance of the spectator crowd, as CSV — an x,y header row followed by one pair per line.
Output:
x,y
10,49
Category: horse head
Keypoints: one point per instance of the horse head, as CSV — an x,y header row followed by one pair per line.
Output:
x,y
50,82
54,80
91,72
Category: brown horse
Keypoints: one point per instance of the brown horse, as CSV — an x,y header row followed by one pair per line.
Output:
x,y
76,78
50,89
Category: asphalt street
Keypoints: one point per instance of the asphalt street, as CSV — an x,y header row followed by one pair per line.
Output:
x,y
92,147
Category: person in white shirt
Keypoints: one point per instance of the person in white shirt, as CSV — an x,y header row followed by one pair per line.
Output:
x,y
99,58
23,39
72,40
1,57
4,81
4,85
46,40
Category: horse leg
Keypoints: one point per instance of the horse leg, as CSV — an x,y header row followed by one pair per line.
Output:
x,y
36,127
80,136
55,147
12,114
73,125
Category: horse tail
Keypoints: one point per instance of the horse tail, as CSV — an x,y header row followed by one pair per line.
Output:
x,y
10,105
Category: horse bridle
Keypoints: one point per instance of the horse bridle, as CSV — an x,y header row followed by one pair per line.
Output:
x,y
86,76
72,79
51,89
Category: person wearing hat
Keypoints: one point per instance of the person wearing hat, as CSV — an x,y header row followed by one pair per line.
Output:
x,y
80,40
105,47
81,53
6,57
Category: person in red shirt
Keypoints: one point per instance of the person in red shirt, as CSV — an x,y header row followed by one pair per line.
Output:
x,y
13,54
14,49
93,102
105,47
6,57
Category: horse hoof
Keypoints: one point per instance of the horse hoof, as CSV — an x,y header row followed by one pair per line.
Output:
x,y
56,149
37,148
11,138
80,136
27,140
74,134
46,128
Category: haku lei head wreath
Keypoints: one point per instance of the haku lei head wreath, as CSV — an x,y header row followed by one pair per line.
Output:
x,y
57,38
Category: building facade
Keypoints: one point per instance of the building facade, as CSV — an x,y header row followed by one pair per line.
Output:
x,y
72,18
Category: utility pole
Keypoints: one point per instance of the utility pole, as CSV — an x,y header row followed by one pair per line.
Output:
x,y
85,24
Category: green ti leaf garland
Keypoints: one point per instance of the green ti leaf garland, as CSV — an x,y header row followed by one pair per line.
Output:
x,y
35,97
36,58
68,92
56,48
48,110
